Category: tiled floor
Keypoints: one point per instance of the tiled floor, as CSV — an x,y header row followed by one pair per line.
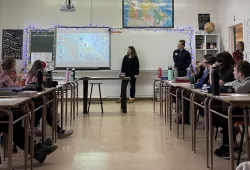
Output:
x,y
138,140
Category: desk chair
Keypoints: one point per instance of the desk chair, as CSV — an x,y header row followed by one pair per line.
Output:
x,y
100,94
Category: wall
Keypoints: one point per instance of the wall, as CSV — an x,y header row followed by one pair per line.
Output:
x,y
227,9
46,13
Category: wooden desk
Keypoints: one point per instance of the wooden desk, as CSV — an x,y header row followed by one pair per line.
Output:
x,y
74,98
6,104
53,100
154,94
85,91
234,100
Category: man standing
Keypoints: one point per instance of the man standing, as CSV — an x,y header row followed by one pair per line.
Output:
x,y
182,59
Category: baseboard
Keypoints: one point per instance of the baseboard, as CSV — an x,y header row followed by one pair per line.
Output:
x,y
114,99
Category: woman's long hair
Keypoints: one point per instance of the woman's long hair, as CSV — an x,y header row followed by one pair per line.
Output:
x,y
38,64
226,60
133,51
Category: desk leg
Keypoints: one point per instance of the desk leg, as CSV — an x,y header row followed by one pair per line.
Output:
x,y
71,104
62,103
170,109
66,104
177,112
246,121
124,99
44,114
10,138
85,96
206,128
154,94
74,100
161,98
230,133
183,124
32,116
211,130
26,127
194,120
77,100
165,103
54,118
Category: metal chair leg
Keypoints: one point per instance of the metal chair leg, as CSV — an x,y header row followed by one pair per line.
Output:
x,y
100,93
90,96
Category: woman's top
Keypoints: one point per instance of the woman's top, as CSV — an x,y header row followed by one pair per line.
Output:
x,y
237,56
9,80
28,79
130,66
226,75
203,80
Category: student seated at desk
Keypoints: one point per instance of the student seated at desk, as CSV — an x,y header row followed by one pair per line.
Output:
x,y
41,150
241,85
208,60
201,79
31,78
225,64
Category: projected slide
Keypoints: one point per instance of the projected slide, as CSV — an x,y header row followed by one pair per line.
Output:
x,y
83,48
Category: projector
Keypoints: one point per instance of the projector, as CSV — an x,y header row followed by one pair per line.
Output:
x,y
68,7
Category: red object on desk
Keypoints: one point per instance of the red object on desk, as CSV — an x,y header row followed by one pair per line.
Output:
x,y
159,72
182,80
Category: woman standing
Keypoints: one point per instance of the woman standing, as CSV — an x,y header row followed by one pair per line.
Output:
x,y
238,54
130,67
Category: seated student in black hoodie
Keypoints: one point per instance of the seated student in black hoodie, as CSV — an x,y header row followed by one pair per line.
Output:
x,y
130,67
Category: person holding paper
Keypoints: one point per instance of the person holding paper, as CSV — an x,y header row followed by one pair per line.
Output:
x,y
130,68
182,59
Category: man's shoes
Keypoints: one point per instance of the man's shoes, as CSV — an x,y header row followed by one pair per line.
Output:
x,y
65,133
131,100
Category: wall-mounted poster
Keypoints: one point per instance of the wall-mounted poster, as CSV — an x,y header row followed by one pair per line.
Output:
x,y
202,20
12,44
148,13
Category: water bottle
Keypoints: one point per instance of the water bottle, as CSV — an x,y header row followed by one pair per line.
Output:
x,y
73,74
159,73
39,83
49,79
67,76
191,76
215,82
170,73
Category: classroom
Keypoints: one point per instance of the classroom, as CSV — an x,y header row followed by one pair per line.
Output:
x,y
124,84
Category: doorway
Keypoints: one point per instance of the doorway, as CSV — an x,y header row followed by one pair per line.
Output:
x,y
238,34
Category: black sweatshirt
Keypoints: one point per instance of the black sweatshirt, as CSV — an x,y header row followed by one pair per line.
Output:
x,y
182,59
130,66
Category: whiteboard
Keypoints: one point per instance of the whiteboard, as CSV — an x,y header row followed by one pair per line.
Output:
x,y
154,48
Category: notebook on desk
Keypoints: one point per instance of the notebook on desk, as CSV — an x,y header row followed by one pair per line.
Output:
x,y
27,94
